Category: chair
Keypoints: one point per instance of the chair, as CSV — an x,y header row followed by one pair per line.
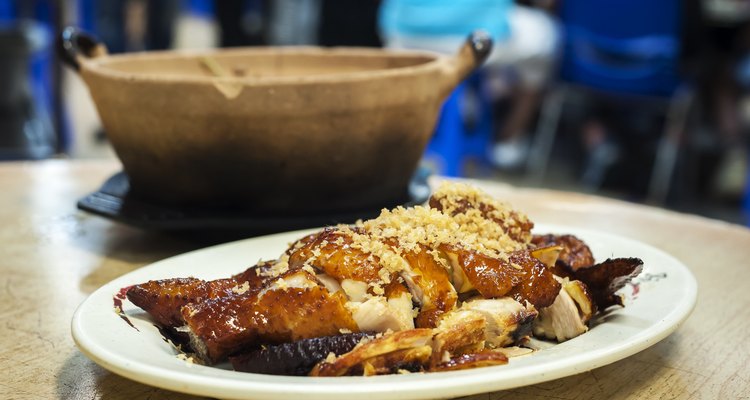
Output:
x,y
628,49
455,139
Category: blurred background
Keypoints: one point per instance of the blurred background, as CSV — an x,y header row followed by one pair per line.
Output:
x,y
642,100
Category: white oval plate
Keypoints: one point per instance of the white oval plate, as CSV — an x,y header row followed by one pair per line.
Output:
x,y
663,298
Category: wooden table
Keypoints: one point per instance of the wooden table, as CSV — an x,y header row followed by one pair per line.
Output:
x,y
52,256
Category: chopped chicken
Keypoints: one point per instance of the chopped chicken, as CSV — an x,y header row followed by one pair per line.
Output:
x,y
295,306
460,332
379,314
566,318
369,351
484,358
332,251
520,276
606,278
435,288
508,321
163,299
430,285
575,253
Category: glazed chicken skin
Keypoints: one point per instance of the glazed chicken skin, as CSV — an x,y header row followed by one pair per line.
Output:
x,y
434,288
163,299
331,252
574,253
296,306
586,287
521,276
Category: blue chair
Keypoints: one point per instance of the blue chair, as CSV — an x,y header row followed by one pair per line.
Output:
x,y
628,49
455,140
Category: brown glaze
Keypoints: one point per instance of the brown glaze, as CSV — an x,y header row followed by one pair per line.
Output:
x,y
575,252
607,277
340,261
226,325
522,276
438,294
538,285
485,358
163,299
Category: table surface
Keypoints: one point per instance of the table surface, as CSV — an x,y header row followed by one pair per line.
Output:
x,y
53,256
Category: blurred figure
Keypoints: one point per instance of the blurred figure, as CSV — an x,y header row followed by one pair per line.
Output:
x,y
244,23
526,42
298,22
349,23
134,25
726,51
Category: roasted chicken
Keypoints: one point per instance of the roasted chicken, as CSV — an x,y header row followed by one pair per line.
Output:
x,y
435,288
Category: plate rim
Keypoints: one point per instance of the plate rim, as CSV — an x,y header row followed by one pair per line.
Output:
x,y
475,380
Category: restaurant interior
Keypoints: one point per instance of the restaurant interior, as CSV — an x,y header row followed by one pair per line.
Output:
x,y
274,199
576,95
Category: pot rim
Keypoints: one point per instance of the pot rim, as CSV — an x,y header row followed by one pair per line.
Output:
x,y
433,62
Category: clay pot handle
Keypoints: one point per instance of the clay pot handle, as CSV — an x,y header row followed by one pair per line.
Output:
x,y
470,56
75,45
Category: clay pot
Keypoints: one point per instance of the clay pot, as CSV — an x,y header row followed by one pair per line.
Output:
x,y
293,128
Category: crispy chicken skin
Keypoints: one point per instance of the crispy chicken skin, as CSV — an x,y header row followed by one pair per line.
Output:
x,y
606,278
522,276
163,299
354,362
484,358
331,251
430,286
458,342
574,254
298,308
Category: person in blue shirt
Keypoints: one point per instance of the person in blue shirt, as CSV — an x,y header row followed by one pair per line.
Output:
x,y
525,44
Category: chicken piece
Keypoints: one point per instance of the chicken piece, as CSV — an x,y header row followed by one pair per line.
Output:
x,y
412,360
575,252
430,285
522,276
507,320
566,318
579,292
486,358
606,278
459,332
548,256
379,314
456,199
331,251
379,351
163,299
293,307
296,358
538,285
